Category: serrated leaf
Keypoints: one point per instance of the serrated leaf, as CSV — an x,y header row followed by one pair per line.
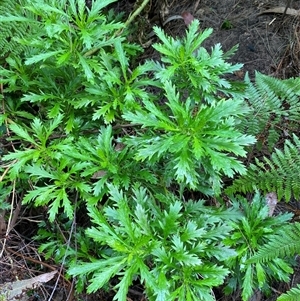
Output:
x,y
97,265
247,289
191,232
24,114
154,147
41,195
169,222
98,5
283,265
185,169
66,203
22,133
22,158
162,290
53,208
55,122
126,281
261,275
86,68
41,57
193,39
103,275
40,172
70,122
64,58
121,57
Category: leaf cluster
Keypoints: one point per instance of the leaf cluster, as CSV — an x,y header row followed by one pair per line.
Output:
x,y
76,64
192,68
182,244
249,236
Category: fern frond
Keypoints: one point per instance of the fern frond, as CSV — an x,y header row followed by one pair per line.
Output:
x,y
278,174
284,243
12,31
292,295
275,107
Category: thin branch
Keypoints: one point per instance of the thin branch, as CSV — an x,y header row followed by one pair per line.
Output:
x,y
129,21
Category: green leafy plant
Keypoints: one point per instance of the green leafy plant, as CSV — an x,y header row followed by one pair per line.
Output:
x,y
193,69
73,48
45,161
136,145
175,248
109,162
75,64
194,141
193,132
227,24
250,235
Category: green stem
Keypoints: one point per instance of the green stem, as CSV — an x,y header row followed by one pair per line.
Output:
x,y
136,12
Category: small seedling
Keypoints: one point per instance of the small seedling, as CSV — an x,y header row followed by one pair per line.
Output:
x,y
226,25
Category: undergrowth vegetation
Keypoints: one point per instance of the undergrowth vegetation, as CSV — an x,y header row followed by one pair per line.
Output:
x,y
163,165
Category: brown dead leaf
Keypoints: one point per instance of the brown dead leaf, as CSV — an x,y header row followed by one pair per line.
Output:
x,y
187,17
240,74
271,199
99,174
13,291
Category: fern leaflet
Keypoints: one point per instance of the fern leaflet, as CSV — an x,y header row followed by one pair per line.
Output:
x,y
278,174
275,106
12,31
284,243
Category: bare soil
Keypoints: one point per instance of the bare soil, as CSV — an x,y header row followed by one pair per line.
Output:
x,y
268,43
